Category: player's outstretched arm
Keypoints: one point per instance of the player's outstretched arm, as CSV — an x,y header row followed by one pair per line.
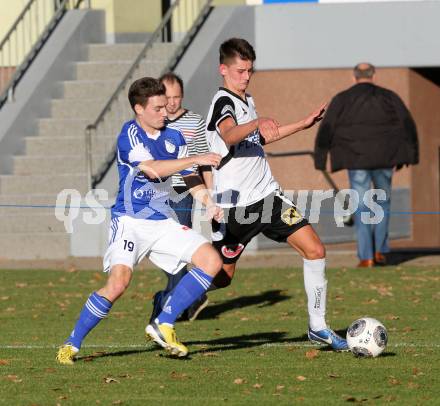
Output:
x,y
232,133
162,168
289,129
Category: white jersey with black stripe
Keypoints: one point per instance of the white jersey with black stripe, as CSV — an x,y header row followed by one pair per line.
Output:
x,y
244,175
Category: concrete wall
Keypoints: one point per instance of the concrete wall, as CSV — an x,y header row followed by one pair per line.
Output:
x,y
424,104
340,35
289,95
34,92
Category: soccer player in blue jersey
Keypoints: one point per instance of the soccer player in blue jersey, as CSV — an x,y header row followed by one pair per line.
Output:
x,y
148,153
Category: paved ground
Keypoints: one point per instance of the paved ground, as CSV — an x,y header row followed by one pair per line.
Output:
x,y
337,256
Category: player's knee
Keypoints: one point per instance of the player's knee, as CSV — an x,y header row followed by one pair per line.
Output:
x,y
208,259
213,263
317,251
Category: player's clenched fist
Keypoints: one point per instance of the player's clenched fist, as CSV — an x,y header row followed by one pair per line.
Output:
x,y
215,212
268,128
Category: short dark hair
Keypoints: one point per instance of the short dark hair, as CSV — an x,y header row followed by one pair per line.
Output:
x,y
171,77
236,47
364,70
142,89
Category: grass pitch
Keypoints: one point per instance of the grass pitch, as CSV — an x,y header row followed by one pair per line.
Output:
x,y
248,348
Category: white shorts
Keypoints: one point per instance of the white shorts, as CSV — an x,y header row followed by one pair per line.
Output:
x,y
168,244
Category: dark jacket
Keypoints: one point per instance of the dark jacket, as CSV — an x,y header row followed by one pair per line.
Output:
x,y
366,127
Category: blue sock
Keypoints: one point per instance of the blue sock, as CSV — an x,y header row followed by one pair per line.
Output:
x,y
94,310
193,285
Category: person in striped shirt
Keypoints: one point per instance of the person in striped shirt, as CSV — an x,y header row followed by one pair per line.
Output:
x,y
192,126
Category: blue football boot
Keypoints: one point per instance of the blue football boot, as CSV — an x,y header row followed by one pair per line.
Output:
x,y
328,336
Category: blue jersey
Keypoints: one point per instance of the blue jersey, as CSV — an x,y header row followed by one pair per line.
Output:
x,y
140,196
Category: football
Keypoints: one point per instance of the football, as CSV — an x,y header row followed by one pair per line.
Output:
x,y
367,337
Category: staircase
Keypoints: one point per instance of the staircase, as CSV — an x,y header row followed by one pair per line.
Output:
x,y
54,158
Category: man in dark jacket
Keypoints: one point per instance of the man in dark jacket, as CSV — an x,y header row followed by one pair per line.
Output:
x,y
369,131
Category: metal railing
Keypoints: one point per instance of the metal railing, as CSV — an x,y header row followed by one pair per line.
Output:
x,y
348,220
178,26
25,39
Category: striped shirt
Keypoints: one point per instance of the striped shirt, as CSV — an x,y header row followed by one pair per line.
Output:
x,y
192,126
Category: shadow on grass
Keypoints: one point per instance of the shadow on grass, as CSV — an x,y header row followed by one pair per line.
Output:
x,y
103,354
264,299
400,255
251,341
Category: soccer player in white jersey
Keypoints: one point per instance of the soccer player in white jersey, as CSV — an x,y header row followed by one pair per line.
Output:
x,y
192,126
148,153
245,187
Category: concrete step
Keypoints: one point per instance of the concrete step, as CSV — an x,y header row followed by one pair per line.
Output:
x,y
128,52
86,89
51,127
78,108
59,164
33,204
42,184
35,245
114,70
27,204
72,127
31,223
40,145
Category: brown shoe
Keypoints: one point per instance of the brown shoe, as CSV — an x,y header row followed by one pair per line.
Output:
x,y
366,263
380,259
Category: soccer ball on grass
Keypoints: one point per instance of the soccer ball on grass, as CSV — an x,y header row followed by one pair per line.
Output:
x,y
367,337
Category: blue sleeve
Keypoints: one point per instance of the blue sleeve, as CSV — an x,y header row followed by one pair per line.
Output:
x,y
130,148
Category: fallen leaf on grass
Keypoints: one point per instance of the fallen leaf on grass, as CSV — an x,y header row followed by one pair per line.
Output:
x,y
4,362
301,378
393,381
20,285
280,387
239,381
258,385
14,378
178,375
312,354
417,371
334,376
109,379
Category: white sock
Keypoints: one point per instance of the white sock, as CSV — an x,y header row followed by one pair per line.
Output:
x,y
316,290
